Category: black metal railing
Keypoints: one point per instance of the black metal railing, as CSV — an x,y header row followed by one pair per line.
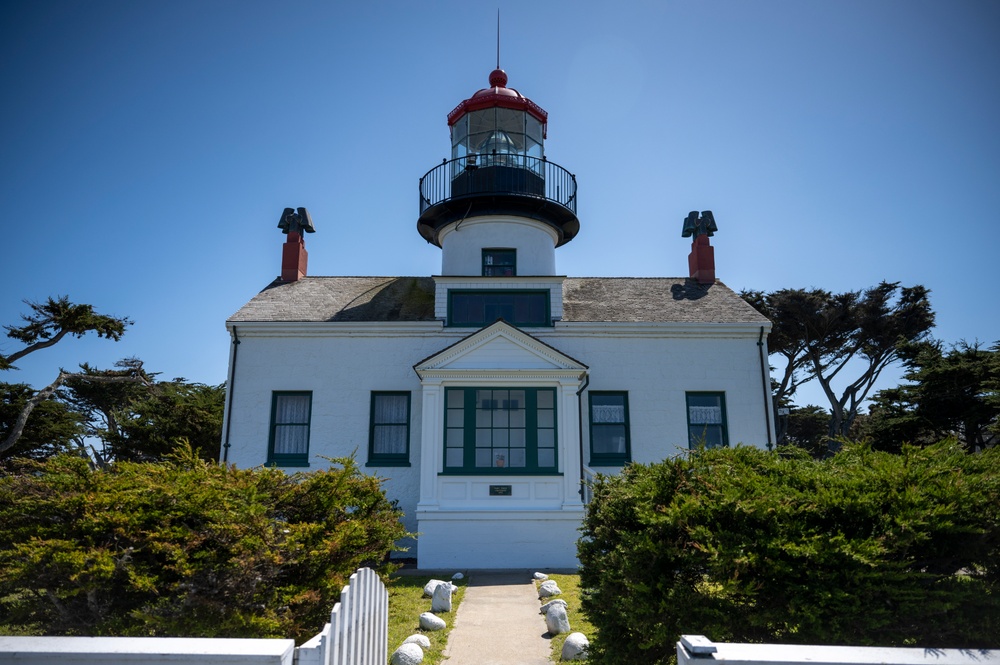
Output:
x,y
498,173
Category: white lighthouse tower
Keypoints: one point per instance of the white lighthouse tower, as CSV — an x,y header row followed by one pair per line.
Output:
x,y
498,207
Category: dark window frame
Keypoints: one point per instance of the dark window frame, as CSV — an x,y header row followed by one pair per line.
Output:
x,y
609,459
388,459
723,426
490,253
288,459
531,428
541,322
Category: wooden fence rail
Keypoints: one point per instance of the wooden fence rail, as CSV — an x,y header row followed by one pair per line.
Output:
x,y
699,650
357,634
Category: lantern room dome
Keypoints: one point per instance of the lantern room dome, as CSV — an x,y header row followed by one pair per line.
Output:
x,y
498,95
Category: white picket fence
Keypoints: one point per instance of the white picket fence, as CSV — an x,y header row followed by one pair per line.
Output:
x,y
357,634
699,650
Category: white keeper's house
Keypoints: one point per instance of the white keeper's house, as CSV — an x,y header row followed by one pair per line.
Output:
x,y
486,395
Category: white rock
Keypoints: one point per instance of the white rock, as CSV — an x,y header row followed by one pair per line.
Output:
x,y
422,641
575,647
442,598
407,654
540,576
458,576
430,622
545,608
556,620
548,588
430,586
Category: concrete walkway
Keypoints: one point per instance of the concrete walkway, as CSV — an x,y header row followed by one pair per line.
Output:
x,y
498,622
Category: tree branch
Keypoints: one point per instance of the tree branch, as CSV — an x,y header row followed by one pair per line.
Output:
x,y
52,320
17,355
49,390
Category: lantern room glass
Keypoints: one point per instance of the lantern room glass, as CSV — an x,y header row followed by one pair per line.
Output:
x,y
498,137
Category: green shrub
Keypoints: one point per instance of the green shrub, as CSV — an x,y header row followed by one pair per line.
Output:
x,y
865,548
185,547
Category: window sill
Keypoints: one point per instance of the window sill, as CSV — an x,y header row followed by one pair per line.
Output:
x,y
608,462
498,472
287,464
379,462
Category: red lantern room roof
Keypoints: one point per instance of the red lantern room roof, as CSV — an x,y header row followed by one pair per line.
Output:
x,y
498,94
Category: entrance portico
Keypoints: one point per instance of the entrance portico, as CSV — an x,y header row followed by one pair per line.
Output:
x,y
500,474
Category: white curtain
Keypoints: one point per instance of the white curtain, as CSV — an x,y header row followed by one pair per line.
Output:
x,y
608,413
705,415
291,424
391,417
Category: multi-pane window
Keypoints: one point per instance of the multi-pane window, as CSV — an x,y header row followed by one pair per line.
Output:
x,y
289,436
499,262
389,435
609,430
481,308
706,415
500,430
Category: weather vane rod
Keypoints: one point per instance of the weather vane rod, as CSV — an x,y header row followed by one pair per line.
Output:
x,y
498,38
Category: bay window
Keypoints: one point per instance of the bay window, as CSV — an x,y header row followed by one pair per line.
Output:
x,y
500,430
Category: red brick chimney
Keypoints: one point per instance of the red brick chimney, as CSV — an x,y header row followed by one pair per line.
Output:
x,y
294,258
701,260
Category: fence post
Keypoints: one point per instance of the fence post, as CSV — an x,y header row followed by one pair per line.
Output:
x,y
358,631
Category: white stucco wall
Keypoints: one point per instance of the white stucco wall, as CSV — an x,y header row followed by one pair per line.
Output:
x,y
462,245
343,363
657,371
541,539
341,371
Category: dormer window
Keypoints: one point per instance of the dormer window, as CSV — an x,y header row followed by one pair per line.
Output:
x,y
522,308
499,262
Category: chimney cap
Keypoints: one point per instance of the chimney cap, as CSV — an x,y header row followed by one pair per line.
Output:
x,y
296,222
693,226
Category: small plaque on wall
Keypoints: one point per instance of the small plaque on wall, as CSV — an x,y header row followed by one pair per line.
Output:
x,y
500,490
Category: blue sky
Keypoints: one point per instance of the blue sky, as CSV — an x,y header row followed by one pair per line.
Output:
x,y
148,148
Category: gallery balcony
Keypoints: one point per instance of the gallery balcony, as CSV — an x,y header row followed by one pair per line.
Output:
x,y
498,184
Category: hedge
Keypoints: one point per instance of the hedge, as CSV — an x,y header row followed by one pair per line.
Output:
x,y
745,545
185,547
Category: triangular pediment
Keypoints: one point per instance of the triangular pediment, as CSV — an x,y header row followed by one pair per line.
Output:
x,y
499,347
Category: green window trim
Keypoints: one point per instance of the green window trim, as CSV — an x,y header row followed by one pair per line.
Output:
x,y
520,307
500,431
610,438
288,432
706,419
499,262
389,427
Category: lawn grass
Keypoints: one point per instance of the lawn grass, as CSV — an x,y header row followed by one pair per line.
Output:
x,y
570,587
407,603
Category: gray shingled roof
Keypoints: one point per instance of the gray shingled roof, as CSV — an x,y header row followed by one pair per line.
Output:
x,y
654,299
343,299
614,299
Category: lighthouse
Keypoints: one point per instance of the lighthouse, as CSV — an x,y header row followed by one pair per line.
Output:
x,y
489,395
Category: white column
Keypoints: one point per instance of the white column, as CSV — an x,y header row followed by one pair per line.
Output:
x,y
569,438
431,442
